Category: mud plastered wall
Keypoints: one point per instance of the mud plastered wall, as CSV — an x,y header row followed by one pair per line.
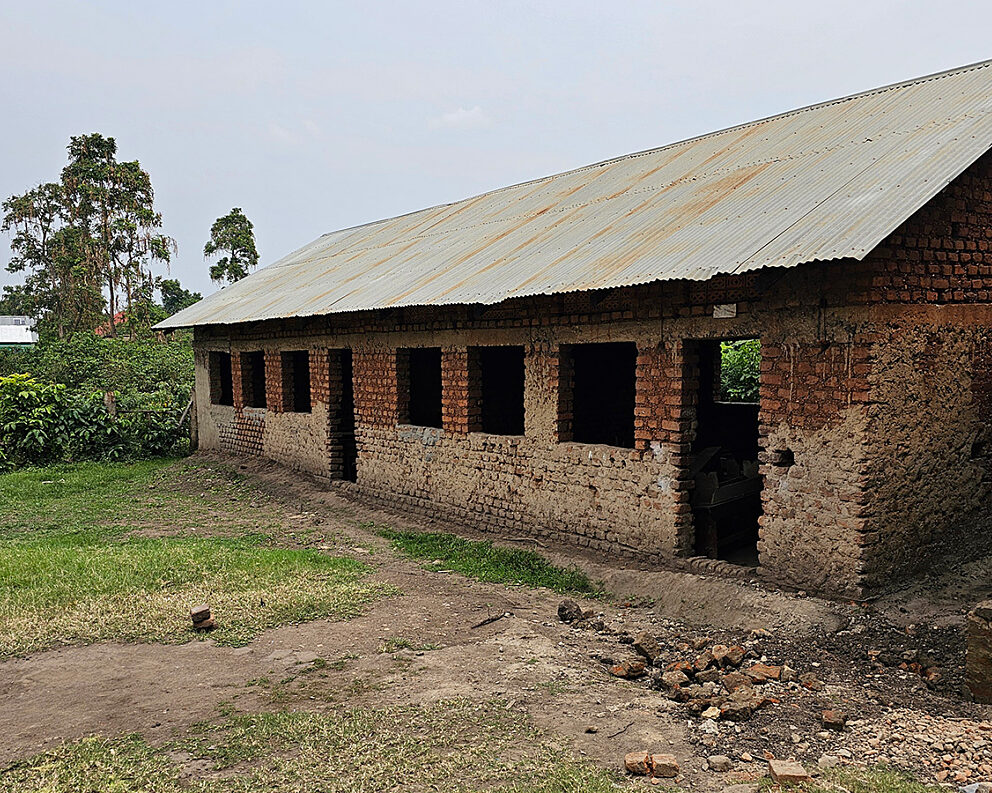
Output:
x,y
605,498
929,285
928,481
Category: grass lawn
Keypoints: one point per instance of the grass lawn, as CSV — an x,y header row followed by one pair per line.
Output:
x,y
73,569
487,562
451,746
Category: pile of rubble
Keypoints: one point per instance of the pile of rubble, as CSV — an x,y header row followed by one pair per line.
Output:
x,y
756,696
715,681
952,749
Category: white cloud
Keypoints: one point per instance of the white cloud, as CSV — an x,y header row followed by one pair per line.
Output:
x,y
462,119
282,134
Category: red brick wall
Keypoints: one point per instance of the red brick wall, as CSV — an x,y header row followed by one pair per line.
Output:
x,y
943,253
376,402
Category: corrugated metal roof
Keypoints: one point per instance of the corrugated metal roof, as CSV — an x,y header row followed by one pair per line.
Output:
x,y
17,331
824,182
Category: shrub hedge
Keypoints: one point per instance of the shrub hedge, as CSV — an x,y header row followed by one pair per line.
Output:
x,y
53,406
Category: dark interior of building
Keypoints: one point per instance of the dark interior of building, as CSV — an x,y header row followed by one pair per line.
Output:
x,y
603,391
255,363
727,486
424,407
502,374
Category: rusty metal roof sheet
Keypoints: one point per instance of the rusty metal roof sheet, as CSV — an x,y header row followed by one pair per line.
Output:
x,y
823,182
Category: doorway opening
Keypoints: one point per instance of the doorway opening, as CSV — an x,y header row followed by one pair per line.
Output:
x,y
343,446
726,499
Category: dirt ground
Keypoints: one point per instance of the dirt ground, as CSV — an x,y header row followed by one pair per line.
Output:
x,y
423,646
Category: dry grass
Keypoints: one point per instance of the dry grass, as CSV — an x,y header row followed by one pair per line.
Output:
x,y
451,746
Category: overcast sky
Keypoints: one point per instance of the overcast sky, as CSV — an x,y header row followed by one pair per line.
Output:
x,y
315,116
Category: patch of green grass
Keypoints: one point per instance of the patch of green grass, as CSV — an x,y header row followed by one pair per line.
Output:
x,y
396,643
455,746
162,496
70,495
80,587
555,687
73,570
875,779
487,562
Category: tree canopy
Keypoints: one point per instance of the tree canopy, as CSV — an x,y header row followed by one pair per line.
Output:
x,y
175,298
87,242
233,235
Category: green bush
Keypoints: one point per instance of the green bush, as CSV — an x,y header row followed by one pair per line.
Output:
x,y
43,423
87,362
740,368
31,421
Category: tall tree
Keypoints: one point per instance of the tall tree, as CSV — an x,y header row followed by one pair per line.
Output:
x,y
60,284
175,298
232,234
87,239
113,204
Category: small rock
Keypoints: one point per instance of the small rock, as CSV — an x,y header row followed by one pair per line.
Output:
x,y
787,772
664,766
828,761
746,757
734,680
728,656
592,730
704,661
811,681
708,676
638,763
647,646
736,711
789,675
711,713
569,611
673,679
834,719
202,621
742,788
719,763
762,673
628,670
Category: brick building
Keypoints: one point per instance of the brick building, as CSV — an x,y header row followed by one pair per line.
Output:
x,y
544,358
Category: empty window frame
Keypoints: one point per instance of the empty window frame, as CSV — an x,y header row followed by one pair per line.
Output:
x,y
296,381
420,386
501,382
599,390
221,382
253,379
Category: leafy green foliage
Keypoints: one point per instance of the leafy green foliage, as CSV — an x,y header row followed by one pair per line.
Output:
x,y
740,370
31,425
487,562
234,235
87,362
42,423
95,229
53,408
175,298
